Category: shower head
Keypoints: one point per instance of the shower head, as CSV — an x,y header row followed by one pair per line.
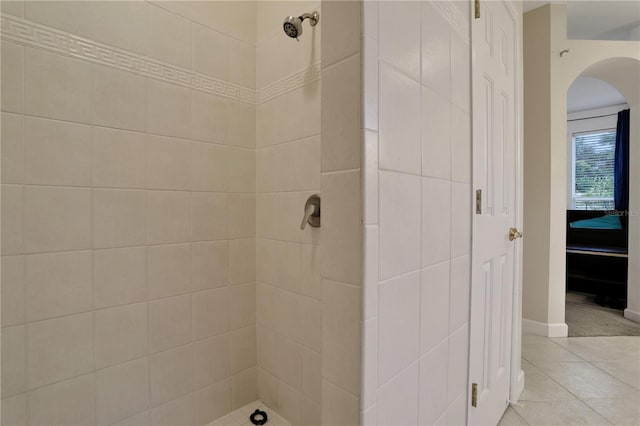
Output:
x,y
292,25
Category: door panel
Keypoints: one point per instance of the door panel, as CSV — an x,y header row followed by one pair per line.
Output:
x,y
494,139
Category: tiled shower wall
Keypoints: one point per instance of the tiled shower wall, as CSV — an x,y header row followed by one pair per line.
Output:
x,y
417,212
289,289
128,211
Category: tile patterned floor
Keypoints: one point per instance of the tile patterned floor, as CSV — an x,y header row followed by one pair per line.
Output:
x,y
240,417
579,381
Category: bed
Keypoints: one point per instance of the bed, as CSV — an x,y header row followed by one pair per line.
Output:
x,y
597,244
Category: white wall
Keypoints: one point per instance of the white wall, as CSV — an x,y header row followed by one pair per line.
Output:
x,y
547,79
417,212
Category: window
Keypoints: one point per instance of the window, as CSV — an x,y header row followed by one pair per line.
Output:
x,y
593,169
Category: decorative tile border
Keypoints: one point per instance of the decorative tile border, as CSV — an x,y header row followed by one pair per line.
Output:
x,y
40,36
289,83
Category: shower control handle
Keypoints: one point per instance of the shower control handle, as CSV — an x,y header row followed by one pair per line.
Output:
x,y
311,212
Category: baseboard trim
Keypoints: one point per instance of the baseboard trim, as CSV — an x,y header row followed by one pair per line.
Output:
x,y
520,384
632,315
544,329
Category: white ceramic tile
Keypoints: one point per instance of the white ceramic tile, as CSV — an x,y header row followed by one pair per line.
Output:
x,y
398,398
460,296
341,32
208,216
436,135
209,167
168,270
211,360
14,409
460,145
243,349
12,76
13,290
436,221
242,301
210,52
168,37
311,313
460,73
168,109
399,122
209,117
210,312
242,216
209,265
170,375
13,234
399,24
56,153
242,123
118,99
119,158
370,363
57,218
58,284
59,349
242,63
434,306
242,260
436,57
399,323
167,217
57,87
370,79
122,24
289,403
71,402
119,276
168,163
121,391
399,222
341,348
120,334
12,148
212,402
458,362
177,412
14,369
370,183
342,225
244,389
119,217
433,380
460,219
341,115
169,323
242,173
74,17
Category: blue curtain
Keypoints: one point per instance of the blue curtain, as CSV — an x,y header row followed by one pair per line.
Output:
x,y
621,168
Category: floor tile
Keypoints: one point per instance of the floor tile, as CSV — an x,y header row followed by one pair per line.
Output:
x,y
625,411
545,350
539,387
586,381
511,418
625,371
561,412
616,348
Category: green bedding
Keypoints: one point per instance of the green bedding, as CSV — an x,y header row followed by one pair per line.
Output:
x,y
604,222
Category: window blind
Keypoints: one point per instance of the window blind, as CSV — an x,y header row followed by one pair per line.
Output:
x,y
594,169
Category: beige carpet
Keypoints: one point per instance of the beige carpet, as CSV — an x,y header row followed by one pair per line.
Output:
x,y
585,318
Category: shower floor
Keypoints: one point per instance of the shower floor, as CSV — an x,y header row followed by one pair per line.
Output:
x,y
240,417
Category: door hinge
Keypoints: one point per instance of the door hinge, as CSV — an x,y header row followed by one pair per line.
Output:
x,y
474,394
479,201
477,7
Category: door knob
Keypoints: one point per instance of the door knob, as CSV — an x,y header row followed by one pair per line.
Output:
x,y
514,234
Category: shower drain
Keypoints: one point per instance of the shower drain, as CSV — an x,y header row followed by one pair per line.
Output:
x,y
258,417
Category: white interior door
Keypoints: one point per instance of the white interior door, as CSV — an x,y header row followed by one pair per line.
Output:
x,y
494,85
